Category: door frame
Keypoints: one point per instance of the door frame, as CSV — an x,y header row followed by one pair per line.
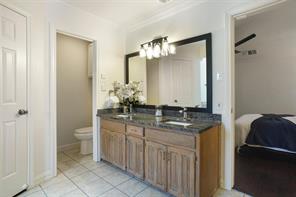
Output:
x,y
53,95
228,117
30,148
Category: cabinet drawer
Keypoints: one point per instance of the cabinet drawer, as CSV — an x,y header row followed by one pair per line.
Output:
x,y
113,126
134,130
170,138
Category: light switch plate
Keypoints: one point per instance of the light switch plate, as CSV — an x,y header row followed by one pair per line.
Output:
x,y
219,76
103,85
219,106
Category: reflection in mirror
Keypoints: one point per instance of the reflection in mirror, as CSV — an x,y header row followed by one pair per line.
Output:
x,y
174,80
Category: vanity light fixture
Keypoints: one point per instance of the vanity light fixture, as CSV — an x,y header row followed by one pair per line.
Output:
x,y
157,48
149,51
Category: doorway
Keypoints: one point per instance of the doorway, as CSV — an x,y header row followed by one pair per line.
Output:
x,y
91,73
228,116
74,95
264,77
230,112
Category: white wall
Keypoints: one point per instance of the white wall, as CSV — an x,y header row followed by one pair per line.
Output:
x,y
69,19
205,18
74,88
265,83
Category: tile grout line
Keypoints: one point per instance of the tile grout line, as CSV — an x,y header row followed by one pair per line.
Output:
x,y
70,179
106,191
42,190
75,184
81,164
92,173
78,175
113,186
127,181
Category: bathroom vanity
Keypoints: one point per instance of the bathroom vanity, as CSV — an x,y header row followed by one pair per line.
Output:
x,y
180,160
172,153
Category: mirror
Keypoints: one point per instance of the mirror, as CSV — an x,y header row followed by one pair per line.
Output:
x,y
183,79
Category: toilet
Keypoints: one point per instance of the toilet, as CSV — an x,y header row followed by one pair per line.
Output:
x,y
85,135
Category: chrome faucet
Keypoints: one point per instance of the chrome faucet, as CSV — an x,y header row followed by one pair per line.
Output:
x,y
158,110
184,112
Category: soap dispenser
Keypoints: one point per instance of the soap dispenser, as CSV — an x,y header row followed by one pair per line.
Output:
x,y
158,110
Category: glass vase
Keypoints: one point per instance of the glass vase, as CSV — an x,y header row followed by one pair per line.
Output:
x,y
131,108
124,109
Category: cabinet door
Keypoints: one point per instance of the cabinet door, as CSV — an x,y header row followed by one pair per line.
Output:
x,y
135,156
181,172
156,164
105,144
118,149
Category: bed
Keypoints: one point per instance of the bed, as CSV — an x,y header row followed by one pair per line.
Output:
x,y
271,131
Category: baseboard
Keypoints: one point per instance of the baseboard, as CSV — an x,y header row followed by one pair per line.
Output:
x,y
68,146
41,178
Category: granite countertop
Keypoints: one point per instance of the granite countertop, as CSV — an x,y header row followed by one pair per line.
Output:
x,y
151,121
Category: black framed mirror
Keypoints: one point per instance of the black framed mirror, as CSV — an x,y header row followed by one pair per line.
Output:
x,y
183,79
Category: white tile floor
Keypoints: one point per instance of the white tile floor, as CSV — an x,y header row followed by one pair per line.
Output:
x,y
79,176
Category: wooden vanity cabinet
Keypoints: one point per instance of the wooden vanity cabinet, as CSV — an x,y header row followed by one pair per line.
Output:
x,y
135,150
113,143
181,172
156,164
181,164
170,162
135,156
208,162
118,149
105,145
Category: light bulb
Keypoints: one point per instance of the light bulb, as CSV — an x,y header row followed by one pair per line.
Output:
x,y
149,52
172,49
156,51
142,52
165,47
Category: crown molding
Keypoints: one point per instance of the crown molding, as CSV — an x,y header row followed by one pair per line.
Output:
x,y
163,14
253,7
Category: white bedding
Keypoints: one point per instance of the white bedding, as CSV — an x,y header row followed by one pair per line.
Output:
x,y
243,126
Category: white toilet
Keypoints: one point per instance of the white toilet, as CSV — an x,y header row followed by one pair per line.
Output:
x,y
85,135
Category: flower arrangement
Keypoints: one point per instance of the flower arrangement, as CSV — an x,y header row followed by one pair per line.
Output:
x,y
130,93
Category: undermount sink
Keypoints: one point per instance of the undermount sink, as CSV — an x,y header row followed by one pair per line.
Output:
x,y
185,124
122,115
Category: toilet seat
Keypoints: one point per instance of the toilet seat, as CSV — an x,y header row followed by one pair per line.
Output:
x,y
85,130
83,136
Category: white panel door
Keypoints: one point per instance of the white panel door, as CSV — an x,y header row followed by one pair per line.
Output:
x,y
181,82
13,88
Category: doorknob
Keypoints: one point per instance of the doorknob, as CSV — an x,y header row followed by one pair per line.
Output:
x,y
22,112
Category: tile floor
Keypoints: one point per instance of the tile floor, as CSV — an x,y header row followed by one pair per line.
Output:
x,y
80,176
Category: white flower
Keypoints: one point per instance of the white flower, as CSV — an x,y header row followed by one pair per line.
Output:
x,y
112,101
130,93
142,99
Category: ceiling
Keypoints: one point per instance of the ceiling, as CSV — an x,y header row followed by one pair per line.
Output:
x,y
129,12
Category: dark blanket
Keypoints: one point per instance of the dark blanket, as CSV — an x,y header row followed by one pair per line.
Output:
x,y
274,131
